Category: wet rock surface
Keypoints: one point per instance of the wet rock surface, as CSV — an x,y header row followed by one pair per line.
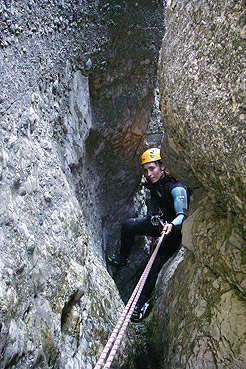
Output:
x,y
199,318
58,302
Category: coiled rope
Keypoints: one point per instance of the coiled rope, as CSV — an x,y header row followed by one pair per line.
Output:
x,y
120,328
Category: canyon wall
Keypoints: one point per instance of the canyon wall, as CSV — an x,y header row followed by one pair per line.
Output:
x,y
199,320
77,85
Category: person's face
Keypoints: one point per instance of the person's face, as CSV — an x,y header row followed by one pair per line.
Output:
x,y
152,171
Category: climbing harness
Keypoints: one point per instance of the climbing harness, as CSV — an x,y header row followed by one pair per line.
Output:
x,y
124,319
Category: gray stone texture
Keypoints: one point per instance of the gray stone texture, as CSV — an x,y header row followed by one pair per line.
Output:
x,y
77,81
200,314
202,85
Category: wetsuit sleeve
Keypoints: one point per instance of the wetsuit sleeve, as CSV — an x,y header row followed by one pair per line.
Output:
x,y
180,200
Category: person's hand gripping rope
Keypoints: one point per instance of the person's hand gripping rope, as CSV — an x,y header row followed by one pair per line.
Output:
x,y
167,227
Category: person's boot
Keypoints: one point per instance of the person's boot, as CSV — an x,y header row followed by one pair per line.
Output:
x,y
137,314
117,261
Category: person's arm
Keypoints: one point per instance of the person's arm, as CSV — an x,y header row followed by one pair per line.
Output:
x,y
180,200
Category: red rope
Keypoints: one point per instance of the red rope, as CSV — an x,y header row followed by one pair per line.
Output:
x,y
126,315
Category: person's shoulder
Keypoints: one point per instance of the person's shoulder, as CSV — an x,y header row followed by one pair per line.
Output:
x,y
181,185
167,184
177,184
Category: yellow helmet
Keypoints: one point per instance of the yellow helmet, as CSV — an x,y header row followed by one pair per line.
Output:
x,y
151,155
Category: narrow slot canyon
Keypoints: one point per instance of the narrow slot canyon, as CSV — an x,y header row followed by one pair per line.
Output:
x,y
86,88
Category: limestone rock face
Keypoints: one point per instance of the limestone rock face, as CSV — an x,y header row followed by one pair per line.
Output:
x,y
65,119
202,84
199,319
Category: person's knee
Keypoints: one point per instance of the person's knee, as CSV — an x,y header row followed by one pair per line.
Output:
x,y
128,225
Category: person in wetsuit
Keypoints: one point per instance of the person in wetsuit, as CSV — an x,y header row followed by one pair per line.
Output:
x,y
168,197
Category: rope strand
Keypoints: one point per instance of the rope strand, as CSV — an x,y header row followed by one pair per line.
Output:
x,y
124,319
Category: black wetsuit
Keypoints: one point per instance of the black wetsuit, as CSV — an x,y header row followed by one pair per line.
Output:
x,y
171,197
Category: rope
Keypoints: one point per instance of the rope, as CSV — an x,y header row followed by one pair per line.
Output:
x,y
120,328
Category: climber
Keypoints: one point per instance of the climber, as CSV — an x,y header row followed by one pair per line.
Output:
x,y
169,202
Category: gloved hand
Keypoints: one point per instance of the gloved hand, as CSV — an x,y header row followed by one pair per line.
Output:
x,y
154,220
167,228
